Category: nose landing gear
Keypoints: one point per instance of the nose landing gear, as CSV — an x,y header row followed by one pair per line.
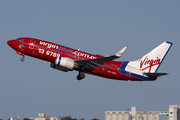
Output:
x,y
22,59
22,54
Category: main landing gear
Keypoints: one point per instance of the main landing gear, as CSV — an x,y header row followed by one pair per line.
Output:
x,y
80,76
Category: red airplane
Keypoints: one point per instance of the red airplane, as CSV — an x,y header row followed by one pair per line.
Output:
x,y
68,59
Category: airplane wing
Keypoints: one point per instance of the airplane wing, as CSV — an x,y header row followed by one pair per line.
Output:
x,y
94,63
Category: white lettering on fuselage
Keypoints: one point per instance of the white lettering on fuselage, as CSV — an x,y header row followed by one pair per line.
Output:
x,y
50,53
49,45
80,54
77,53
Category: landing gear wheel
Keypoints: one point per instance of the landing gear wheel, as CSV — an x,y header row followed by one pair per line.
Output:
x,y
81,76
22,59
78,77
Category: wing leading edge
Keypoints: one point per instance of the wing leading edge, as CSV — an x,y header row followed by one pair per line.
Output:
x,y
94,63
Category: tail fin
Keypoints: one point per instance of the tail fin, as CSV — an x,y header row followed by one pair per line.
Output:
x,y
150,62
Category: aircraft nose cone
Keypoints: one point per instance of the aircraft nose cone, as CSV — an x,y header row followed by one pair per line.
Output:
x,y
10,42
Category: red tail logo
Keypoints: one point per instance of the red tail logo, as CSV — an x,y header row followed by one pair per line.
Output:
x,y
148,63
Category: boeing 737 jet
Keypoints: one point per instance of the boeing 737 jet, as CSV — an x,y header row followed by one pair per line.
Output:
x,y
67,59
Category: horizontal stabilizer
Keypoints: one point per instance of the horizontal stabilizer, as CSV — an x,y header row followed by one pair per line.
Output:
x,y
155,74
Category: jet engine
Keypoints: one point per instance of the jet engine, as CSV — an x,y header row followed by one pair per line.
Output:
x,y
64,64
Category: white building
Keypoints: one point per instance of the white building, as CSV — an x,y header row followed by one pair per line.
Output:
x,y
133,115
172,113
42,116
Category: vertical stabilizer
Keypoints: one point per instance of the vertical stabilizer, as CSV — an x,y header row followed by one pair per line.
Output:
x,y
150,62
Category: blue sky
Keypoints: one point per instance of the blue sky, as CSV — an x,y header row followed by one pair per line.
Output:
x,y
98,27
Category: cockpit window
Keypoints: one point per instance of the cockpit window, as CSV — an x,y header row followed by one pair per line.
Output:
x,y
19,39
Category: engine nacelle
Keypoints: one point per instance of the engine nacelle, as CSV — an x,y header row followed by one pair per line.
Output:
x,y
63,63
53,65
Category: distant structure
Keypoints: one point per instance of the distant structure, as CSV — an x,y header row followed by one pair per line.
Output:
x,y
11,118
132,115
42,116
79,115
172,113
18,118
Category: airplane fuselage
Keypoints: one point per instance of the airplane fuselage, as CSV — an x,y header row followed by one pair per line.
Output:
x,y
48,51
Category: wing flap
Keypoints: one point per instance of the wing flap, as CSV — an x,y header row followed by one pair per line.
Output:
x,y
93,66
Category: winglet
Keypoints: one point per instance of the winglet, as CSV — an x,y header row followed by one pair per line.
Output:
x,y
120,53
